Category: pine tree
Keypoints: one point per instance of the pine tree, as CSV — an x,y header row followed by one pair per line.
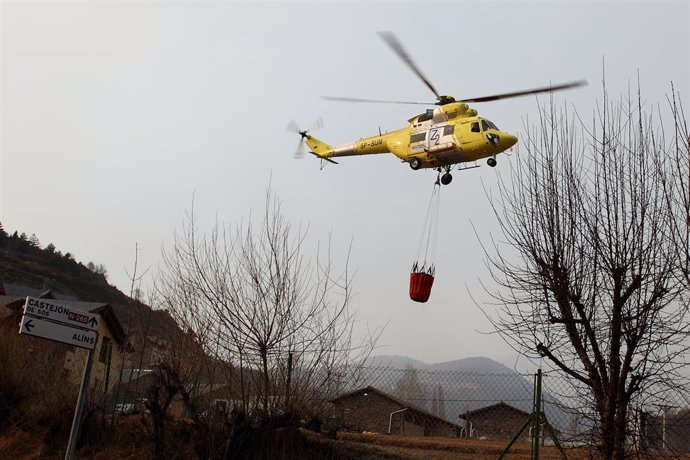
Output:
x,y
33,241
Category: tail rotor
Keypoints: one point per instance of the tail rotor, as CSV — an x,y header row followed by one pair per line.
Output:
x,y
304,134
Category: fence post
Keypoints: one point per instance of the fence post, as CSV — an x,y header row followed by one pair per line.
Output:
x,y
537,419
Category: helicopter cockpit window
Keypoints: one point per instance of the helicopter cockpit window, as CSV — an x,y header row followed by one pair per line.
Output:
x,y
485,125
491,125
475,127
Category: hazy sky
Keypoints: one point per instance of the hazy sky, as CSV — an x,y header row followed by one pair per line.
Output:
x,y
115,113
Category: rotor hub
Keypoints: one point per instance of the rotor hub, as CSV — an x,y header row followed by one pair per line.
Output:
x,y
443,100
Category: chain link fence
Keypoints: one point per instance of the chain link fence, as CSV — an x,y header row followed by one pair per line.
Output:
x,y
414,413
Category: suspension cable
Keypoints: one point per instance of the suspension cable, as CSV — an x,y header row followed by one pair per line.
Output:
x,y
429,238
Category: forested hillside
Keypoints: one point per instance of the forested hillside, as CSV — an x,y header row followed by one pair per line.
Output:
x,y
25,261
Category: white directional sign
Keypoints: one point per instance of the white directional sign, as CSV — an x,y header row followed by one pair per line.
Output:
x,y
39,327
53,321
54,311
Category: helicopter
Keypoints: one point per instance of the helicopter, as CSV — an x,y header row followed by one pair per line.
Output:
x,y
449,135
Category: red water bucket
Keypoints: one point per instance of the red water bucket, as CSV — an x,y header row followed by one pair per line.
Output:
x,y
420,286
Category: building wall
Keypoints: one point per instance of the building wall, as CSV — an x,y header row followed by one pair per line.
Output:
x,y
373,413
106,361
36,366
412,427
417,424
366,413
436,428
499,424
670,432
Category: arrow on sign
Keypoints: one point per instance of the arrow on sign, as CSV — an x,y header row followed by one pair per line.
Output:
x,y
93,322
28,325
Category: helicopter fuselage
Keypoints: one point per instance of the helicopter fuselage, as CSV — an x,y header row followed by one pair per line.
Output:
x,y
448,134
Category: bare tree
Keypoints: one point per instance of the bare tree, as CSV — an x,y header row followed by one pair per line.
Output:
x,y
254,298
588,272
677,185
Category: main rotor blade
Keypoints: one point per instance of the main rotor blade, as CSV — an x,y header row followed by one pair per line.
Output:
x,y
354,99
393,42
545,89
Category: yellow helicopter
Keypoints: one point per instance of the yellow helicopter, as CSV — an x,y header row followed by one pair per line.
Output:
x,y
440,138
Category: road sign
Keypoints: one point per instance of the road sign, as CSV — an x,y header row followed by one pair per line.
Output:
x,y
55,311
39,327
54,321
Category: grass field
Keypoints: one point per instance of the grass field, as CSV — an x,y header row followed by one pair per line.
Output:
x,y
299,444
406,447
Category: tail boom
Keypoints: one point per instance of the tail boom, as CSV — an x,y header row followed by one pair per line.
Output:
x,y
366,146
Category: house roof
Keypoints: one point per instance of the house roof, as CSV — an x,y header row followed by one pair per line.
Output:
x,y
16,303
8,302
24,291
492,408
401,402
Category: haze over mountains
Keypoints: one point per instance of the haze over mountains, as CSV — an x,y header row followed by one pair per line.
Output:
x,y
463,385
477,364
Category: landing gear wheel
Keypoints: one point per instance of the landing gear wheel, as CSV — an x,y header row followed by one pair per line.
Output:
x,y
415,163
446,178
491,162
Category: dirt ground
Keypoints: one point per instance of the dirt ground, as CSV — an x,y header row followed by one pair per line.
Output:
x,y
301,445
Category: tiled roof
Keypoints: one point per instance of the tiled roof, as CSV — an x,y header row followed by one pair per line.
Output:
x,y
6,300
492,408
25,291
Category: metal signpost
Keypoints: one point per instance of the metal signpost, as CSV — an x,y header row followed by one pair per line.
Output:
x,y
52,320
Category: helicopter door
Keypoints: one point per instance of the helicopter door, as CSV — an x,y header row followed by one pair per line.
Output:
x,y
440,137
470,134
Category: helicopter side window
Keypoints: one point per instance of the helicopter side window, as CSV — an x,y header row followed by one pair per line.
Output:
x,y
475,127
448,130
417,137
485,126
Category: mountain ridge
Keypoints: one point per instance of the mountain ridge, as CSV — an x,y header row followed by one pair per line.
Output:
x,y
473,364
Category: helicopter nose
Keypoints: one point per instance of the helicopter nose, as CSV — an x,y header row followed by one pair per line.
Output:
x,y
508,140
